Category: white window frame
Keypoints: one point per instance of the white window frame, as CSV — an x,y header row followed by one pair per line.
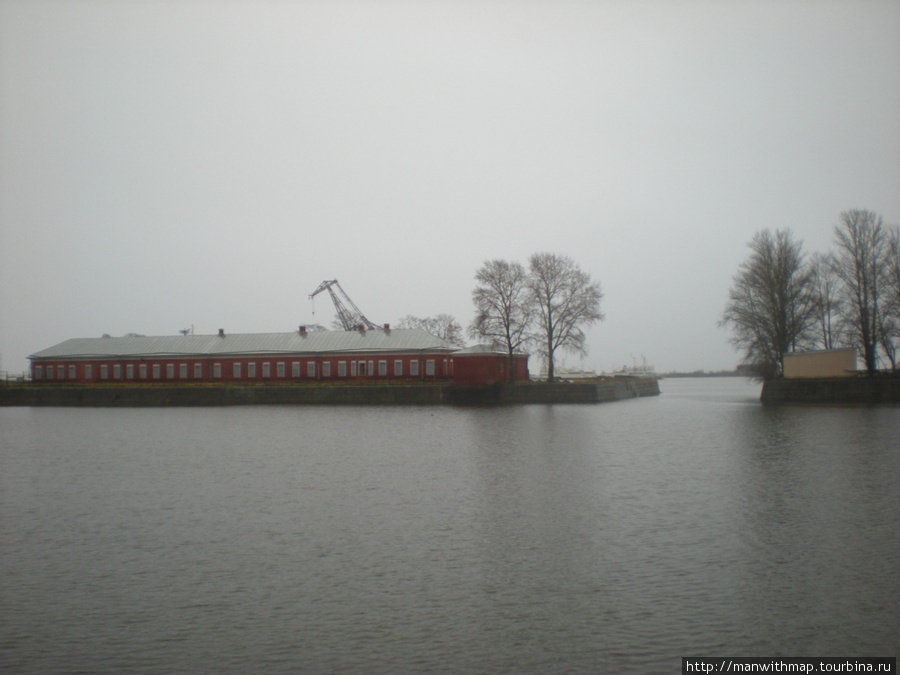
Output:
x,y
429,368
157,371
117,371
217,371
342,369
142,371
104,372
60,372
279,368
129,371
251,369
183,371
310,368
72,373
88,371
266,369
198,371
398,368
237,370
326,369
414,368
295,369
170,371
382,368
39,372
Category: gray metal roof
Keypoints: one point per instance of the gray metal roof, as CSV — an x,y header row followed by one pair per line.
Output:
x,y
321,342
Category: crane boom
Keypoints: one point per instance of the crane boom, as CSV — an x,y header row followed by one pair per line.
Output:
x,y
351,318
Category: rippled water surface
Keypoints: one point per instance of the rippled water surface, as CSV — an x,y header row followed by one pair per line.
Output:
x,y
584,538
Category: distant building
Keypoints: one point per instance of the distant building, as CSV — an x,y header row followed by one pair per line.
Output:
x,y
389,355
823,363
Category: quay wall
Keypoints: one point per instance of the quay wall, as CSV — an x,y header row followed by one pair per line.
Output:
x,y
115,395
839,390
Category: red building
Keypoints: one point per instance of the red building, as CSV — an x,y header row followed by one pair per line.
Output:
x,y
389,355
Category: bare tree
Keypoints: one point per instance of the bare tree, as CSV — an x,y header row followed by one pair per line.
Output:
x,y
827,301
770,305
504,312
862,252
566,301
891,330
442,326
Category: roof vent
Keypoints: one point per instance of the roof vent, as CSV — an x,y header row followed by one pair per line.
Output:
x,y
221,332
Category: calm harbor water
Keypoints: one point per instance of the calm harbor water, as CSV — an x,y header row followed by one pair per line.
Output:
x,y
584,538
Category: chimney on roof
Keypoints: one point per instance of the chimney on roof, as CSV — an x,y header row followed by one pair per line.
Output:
x,y
387,328
302,330
221,332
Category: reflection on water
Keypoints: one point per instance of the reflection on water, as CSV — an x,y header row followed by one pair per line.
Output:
x,y
615,537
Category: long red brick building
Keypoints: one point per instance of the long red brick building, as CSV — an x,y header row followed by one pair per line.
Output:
x,y
388,355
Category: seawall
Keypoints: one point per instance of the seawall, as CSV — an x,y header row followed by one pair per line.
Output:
x,y
840,390
122,395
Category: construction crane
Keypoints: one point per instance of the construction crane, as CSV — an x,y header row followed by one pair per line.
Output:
x,y
351,319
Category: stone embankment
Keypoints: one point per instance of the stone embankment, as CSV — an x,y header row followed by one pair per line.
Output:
x,y
850,390
122,395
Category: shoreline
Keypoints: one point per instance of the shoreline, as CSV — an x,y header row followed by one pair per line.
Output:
x,y
127,395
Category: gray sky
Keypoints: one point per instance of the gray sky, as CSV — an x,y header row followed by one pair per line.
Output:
x,y
168,164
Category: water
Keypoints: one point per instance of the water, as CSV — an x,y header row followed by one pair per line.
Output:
x,y
585,538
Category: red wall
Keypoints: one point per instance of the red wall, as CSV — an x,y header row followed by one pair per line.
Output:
x,y
118,370
487,369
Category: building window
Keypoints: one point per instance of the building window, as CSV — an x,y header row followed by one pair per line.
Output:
x,y
382,368
182,371
117,372
72,374
198,371
295,369
237,371
170,371
267,369
362,368
129,371
279,368
414,368
142,370
156,371
398,368
429,367
104,372
88,372
326,369
342,369
61,372
39,372
310,368
371,368
353,369
217,370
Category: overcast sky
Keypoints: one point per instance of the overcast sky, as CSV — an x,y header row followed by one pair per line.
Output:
x,y
173,164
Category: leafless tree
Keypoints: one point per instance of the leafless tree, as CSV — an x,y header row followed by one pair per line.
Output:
x,y
504,312
827,301
891,330
862,265
442,326
770,305
565,300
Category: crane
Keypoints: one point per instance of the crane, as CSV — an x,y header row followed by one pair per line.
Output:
x,y
351,319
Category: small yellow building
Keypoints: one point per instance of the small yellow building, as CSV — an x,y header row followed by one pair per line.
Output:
x,y
823,363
